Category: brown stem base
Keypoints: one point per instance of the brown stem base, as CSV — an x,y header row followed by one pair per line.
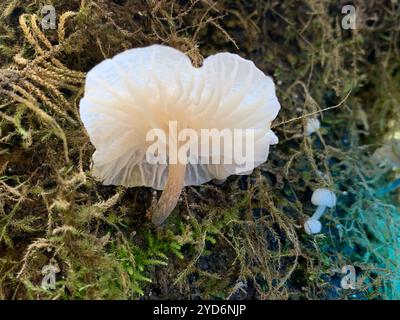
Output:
x,y
171,193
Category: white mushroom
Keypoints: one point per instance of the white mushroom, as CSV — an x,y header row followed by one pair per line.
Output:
x,y
312,126
312,226
144,89
322,198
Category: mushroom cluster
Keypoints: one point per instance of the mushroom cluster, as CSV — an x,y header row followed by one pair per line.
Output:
x,y
143,89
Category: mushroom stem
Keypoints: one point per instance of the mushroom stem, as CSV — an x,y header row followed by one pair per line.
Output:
x,y
318,213
171,193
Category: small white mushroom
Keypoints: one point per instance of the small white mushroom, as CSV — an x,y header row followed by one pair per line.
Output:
x,y
145,89
312,126
388,154
312,226
322,198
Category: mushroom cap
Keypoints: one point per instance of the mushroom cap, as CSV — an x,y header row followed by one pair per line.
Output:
x,y
144,88
312,125
312,226
323,197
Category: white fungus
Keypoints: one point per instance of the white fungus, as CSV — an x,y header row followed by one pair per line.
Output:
x,y
145,88
322,198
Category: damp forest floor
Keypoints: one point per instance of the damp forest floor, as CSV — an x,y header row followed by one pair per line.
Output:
x,y
243,239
